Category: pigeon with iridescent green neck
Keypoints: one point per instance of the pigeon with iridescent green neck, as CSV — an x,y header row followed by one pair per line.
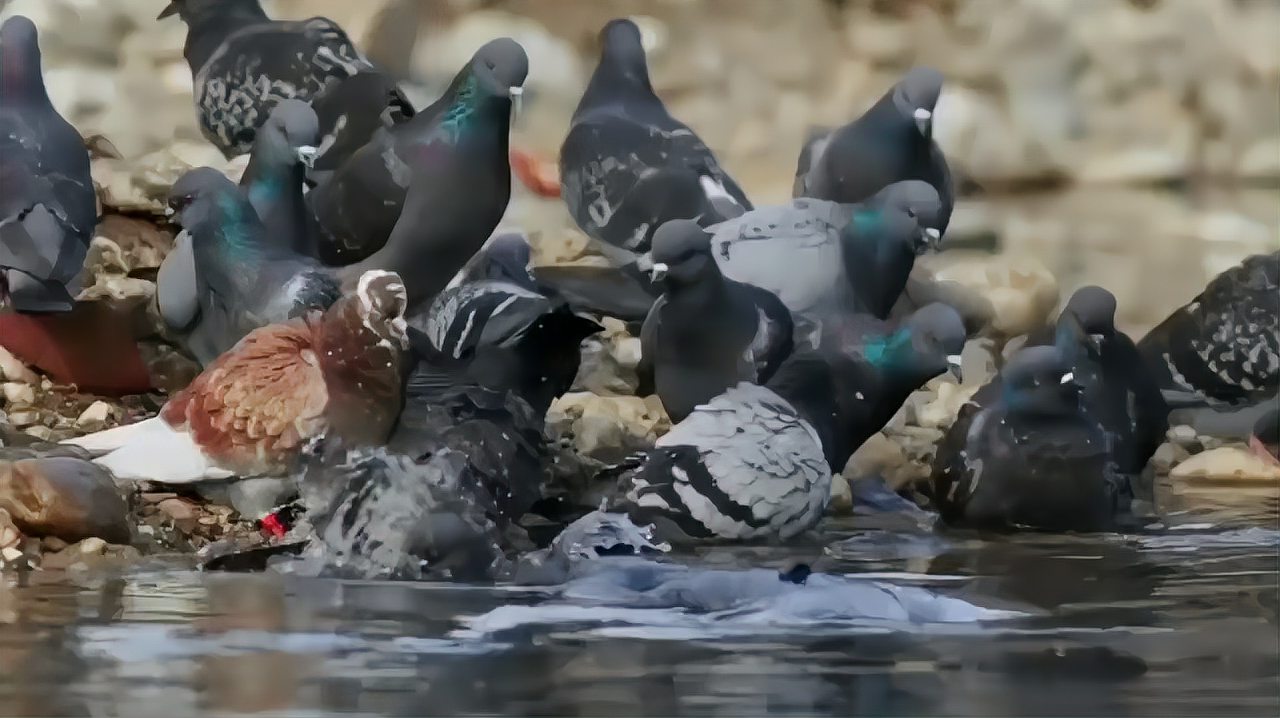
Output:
x,y
422,197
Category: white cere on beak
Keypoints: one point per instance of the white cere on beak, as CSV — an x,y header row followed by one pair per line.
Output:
x,y
934,234
923,118
516,93
645,262
658,271
1067,378
307,155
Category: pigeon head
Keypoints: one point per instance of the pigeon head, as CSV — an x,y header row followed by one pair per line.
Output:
x,y
681,253
196,196
500,67
194,10
916,95
20,76
509,257
293,131
920,201
1038,381
1095,309
622,46
382,303
927,344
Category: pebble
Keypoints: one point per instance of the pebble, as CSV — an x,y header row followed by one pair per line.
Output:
x,y
12,369
178,509
63,496
24,418
19,394
1182,435
9,533
1227,463
95,417
93,545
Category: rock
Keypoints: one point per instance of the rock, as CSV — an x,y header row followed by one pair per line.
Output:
x,y
609,360
1227,463
95,417
941,411
1004,295
91,553
877,455
10,536
1182,435
26,418
93,546
608,428
841,501
13,370
179,509
65,497
1167,456
19,394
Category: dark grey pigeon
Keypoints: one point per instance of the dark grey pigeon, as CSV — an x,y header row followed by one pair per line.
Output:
x,y
706,333
1027,453
1222,349
627,166
273,181
891,142
243,63
823,259
1117,385
243,279
422,197
48,208
352,110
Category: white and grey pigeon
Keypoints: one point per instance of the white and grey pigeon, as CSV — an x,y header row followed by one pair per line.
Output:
x,y
243,278
243,62
822,258
705,333
1222,349
47,206
627,166
891,142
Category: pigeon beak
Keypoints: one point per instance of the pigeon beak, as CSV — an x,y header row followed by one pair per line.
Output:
x,y
644,262
516,93
658,271
933,238
924,121
307,155
1067,378
954,365
169,11
1095,342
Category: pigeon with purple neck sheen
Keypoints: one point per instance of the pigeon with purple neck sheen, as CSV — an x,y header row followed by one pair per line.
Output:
x,y
627,166
334,374
423,196
891,142
243,63
48,208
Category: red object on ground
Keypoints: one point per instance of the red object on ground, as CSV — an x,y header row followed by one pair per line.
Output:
x,y
92,346
273,526
542,178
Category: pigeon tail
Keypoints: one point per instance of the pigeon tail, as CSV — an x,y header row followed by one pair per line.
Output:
x,y
150,450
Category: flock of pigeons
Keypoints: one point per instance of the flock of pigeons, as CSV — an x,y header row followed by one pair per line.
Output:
x,y
362,330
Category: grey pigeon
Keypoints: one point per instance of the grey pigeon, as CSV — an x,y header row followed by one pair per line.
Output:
x,y
822,258
627,166
273,181
243,279
891,142
48,208
422,197
243,63
352,110
1117,385
1027,453
1222,349
706,333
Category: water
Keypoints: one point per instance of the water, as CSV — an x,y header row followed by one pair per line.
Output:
x,y
1182,621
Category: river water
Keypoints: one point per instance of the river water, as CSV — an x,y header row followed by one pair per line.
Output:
x,y
1179,620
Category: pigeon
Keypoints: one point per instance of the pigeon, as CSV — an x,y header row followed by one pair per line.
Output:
x,y
822,258
243,278
243,62
626,293
352,110
48,208
627,166
1027,453
1222,349
333,374
706,333
273,180
891,142
1117,386
422,197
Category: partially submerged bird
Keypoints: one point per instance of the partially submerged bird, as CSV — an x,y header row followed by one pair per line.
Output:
x,y
243,62
627,166
422,197
244,277
1029,454
891,142
333,374
706,333
48,207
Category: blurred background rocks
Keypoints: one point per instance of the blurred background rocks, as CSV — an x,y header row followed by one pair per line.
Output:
x,y
1129,143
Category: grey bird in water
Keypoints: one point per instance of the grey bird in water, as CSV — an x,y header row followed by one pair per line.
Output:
x,y
243,279
627,166
891,142
47,208
705,333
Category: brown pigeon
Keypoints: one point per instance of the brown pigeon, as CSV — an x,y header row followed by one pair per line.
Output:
x,y
251,412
